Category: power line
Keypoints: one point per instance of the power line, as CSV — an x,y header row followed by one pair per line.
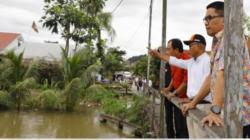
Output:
x,y
117,6
137,29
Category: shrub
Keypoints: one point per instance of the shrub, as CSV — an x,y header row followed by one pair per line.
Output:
x,y
31,102
95,93
50,100
136,113
71,94
4,100
115,107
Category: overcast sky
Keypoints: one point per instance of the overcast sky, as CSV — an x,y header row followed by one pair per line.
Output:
x,y
130,21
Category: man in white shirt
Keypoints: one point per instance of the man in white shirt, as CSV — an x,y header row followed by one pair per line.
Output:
x,y
198,68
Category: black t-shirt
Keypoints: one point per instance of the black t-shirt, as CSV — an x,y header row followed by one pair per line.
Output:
x,y
167,72
167,75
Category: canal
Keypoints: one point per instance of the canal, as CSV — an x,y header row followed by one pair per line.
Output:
x,y
83,124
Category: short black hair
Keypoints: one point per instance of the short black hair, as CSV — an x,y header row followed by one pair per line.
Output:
x,y
218,6
176,44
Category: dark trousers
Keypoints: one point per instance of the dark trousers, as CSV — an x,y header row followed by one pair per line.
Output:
x,y
180,124
246,131
169,118
174,118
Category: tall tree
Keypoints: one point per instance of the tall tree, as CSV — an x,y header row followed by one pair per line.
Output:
x,y
104,20
67,18
94,8
113,61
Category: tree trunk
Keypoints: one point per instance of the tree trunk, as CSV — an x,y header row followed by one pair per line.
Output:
x,y
149,42
18,103
99,46
234,45
67,40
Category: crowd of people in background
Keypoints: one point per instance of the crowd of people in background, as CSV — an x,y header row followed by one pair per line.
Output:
x,y
141,82
135,81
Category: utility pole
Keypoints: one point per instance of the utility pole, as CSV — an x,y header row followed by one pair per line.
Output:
x,y
149,38
148,66
162,71
234,45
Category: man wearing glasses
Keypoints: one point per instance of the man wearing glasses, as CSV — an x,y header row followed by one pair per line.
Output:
x,y
198,68
214,23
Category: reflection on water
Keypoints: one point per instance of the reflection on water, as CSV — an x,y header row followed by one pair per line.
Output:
x,y
55,125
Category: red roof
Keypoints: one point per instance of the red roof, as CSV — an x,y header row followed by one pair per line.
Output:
x,y
6,39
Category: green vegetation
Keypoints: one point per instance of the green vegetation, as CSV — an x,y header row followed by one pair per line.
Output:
x,y
15,77
140,68
57,85
132,109
62,85
71,94
115,107
50,100
31,90
246,24
96,93
4,100
113,62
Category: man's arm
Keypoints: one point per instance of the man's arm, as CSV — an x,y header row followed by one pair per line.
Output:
x,y
219,89
165,90
218,100
202,93
166,58
183,86
157,54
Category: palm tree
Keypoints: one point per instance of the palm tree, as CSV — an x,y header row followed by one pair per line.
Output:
x,y
94,8
18,76
78,64
104,20
77,71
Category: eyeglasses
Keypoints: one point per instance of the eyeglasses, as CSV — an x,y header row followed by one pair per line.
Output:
x,y
209,18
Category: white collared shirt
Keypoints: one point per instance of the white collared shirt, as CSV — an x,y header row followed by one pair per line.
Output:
x,y
198,69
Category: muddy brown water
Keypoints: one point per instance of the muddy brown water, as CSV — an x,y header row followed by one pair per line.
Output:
x,y
30,124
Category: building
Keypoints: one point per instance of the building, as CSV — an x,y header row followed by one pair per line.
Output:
x,y
46,50
10,40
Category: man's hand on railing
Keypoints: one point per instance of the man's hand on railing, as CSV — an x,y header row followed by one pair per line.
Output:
x,y
212,119
187,107
165,90
170,96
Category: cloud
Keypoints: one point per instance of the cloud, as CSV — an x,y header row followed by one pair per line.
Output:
x,y
130,21
133,34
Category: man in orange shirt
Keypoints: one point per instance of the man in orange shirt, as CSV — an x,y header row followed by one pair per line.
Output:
x,y
178,88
